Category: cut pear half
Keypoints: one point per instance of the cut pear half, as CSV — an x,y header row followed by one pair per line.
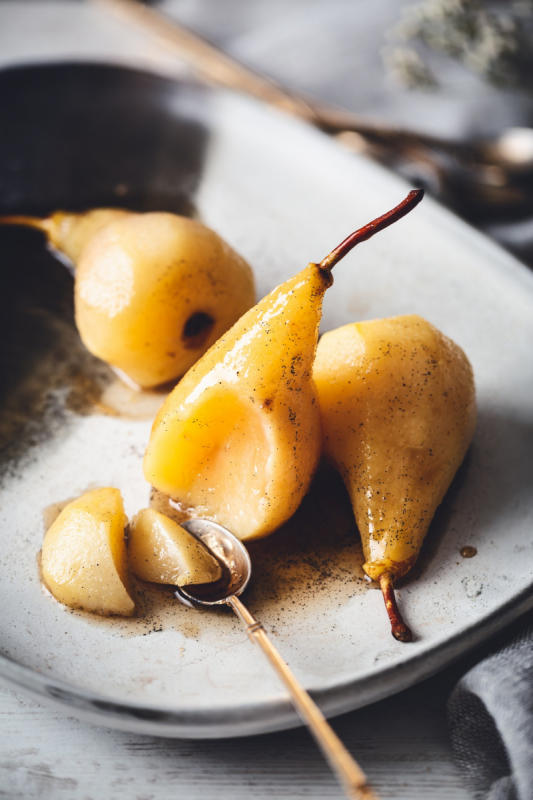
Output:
x,y
221,471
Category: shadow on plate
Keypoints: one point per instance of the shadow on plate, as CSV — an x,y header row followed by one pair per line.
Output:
x,y
77,136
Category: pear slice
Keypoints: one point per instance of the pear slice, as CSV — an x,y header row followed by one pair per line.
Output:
x,y
152,291
398,408
161,551
83,558
239,437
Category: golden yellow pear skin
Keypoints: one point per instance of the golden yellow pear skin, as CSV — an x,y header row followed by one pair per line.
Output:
x,y
239,437
152,291
67,231
70,233
161,551
83,557
398,408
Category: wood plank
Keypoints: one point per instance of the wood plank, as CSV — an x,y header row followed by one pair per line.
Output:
x,y
402,744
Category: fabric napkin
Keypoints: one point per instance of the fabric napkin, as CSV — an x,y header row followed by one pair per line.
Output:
x,y
491,722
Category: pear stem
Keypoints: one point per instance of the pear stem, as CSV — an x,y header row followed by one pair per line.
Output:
x,y
28,222
378,224
399,629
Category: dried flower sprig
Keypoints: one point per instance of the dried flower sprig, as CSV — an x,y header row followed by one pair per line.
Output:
x,y
494,40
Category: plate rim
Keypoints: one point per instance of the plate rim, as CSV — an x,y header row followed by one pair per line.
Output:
x,y
251,719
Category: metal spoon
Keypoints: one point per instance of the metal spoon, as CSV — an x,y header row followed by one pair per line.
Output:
x,y
237,570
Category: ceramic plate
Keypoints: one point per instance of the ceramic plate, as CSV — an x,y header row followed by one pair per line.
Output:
x,y
76,136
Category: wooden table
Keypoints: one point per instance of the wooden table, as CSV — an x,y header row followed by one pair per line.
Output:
x,y
402,743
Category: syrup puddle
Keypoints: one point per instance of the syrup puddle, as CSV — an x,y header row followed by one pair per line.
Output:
x,y
113,399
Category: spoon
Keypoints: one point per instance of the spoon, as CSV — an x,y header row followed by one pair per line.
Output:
x,y
237,570
497,166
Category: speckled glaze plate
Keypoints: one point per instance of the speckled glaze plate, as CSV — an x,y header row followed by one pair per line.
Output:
x,y
76,136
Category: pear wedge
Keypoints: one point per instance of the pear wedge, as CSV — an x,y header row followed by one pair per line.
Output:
x,y
161,551
83,558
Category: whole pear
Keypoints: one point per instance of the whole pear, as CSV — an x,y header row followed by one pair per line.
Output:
x,y
397,402
152,291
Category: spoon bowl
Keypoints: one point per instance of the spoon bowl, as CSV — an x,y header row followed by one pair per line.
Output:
x,y
232,556
236,565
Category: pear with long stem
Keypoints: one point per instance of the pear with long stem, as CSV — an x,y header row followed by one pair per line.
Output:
x,y
239,438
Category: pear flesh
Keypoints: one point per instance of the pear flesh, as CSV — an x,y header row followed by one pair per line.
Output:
x,y
161,551
238,438
83,558
398,408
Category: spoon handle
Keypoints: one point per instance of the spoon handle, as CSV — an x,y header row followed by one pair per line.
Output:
x,y
219,68
348,771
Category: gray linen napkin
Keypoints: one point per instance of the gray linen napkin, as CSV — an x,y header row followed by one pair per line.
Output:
x,y
491,722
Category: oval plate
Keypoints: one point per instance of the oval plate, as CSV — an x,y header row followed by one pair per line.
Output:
x,y
76,136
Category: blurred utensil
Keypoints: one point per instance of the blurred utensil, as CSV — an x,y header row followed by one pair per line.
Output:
x,y
485,173
237,571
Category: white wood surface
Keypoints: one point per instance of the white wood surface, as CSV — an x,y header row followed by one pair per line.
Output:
x,y
402,743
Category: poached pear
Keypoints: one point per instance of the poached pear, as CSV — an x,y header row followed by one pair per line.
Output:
x,y
161,551
83,557
152,291
239,437
397,402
